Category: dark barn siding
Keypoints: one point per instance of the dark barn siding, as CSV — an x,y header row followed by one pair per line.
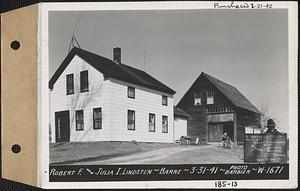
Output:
x,y
197,125
197,122
244,118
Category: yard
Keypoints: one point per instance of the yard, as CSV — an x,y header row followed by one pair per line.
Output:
x,y
94,153
69,153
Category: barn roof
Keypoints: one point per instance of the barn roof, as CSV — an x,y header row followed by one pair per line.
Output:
x,y
229,91
111,69
232,93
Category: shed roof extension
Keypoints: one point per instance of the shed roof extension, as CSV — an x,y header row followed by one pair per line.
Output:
x,y
111,69
179,112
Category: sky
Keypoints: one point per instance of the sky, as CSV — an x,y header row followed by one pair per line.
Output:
x,y
245,48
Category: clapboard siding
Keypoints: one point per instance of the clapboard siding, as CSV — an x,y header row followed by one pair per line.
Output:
x,y
146,101
180,127
111,96
96,97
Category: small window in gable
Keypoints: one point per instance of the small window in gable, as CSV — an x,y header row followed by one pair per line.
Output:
x,y
210,97
197,101
84,81
131,92
70,84
197,98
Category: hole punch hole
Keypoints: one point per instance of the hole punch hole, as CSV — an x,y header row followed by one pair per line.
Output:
x,y
16,148
15,45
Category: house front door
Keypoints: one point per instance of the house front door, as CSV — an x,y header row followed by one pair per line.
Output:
x,y
62,126
215,132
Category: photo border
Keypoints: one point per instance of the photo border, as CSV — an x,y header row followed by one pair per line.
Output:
x,y
43,97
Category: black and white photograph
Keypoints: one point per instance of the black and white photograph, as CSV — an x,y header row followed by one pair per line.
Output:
x,y
153,87
144,88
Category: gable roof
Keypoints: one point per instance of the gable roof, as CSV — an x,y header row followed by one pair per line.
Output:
x,y
232,93
111,69
179,112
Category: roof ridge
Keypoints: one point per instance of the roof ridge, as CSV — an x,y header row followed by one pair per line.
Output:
x,y
111,69
132,73
145,73
94,54
207,75
215,81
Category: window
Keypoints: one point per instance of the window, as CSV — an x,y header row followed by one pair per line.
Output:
x,y
210,100
131,120
70,84
197,98
97,118
84,81
197,101
151,122
165,124
164,100
131,92
79,120
210,97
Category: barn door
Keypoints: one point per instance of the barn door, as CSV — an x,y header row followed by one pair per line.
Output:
x,y
215,132
62,126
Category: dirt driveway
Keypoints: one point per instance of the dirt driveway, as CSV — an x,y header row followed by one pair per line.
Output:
x,y
175,155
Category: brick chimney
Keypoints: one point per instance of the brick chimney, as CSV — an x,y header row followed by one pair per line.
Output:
x,y
117,55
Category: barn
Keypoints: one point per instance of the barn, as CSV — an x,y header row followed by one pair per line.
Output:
x,y
93,98
216,107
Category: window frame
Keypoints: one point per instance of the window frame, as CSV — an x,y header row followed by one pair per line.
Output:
x,y
81,81
152,114
162,100
128,125
197,95
128,90
94,119
162,125
210,94
199,103
67,84
77,120
210,98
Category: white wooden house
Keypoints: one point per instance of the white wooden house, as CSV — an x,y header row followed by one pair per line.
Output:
x,y
93,98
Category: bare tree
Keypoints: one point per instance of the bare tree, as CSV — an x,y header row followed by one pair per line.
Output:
x,y
265,115
80,101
